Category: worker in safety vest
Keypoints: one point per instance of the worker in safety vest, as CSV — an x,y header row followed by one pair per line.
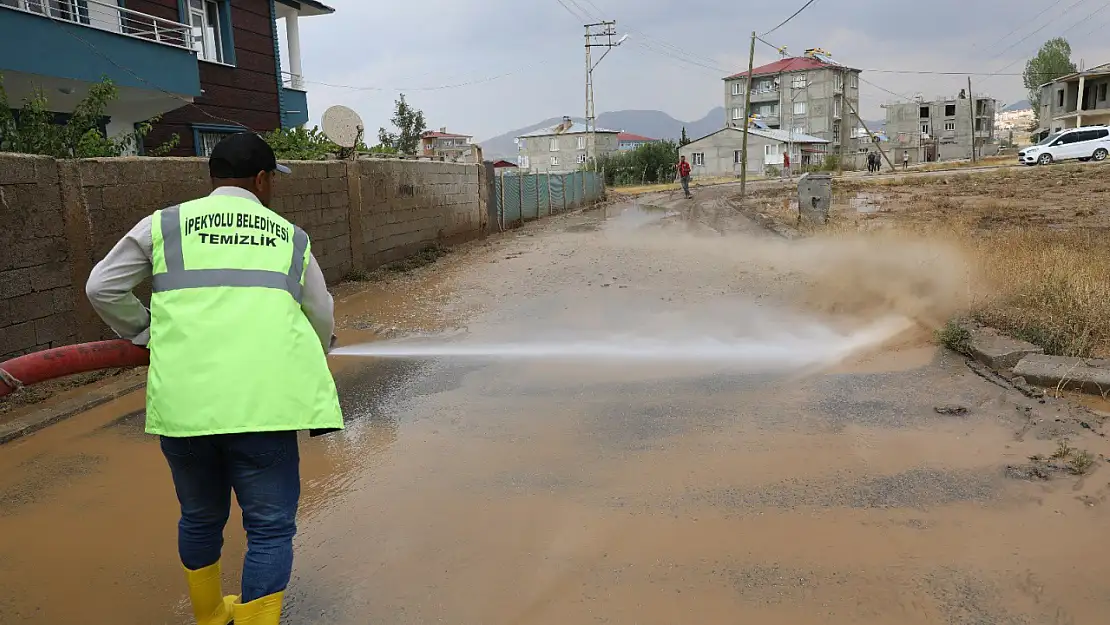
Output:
x,y
238,329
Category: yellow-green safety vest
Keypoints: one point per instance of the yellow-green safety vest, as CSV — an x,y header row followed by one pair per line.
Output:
x,y
230,349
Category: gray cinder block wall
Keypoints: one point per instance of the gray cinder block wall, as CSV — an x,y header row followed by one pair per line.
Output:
x,y
61,217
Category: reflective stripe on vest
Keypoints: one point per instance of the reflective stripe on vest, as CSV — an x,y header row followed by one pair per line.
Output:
x,y
178,277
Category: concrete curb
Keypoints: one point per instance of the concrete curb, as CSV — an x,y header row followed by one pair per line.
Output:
x,y
1083,374
89,398
997,350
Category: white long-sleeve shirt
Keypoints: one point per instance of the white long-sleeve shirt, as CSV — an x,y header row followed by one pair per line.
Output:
x,y
112,281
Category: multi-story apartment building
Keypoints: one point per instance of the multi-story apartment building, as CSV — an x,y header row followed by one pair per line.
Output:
x,y
207,67
445,145
562,147
941,130
1075,100
807,95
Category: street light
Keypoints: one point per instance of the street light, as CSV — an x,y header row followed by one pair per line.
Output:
x,y
608,48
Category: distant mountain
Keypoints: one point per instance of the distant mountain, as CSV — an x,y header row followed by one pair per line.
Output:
x,y
654,124
1020,105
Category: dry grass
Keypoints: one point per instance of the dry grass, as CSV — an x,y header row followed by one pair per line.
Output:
x,y
989,161
1037,240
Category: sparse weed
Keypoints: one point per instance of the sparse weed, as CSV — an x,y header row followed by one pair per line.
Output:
x,y
1063,450
1081,462
954,336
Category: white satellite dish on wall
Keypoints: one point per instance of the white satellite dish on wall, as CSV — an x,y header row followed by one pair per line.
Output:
x,y
342,125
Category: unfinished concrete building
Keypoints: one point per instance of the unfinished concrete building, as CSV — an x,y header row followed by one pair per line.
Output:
x,y
807,95
1075,100
941,130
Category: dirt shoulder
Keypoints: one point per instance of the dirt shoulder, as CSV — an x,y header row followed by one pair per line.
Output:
x,y
1035,242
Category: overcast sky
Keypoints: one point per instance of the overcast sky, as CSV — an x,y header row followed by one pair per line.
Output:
x,y
525,58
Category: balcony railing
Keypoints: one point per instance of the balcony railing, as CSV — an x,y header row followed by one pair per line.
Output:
x,y
292,81
108,16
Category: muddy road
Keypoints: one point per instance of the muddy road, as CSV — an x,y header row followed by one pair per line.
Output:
x,y
588,492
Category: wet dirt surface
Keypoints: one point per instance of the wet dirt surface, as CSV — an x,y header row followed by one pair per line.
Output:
x,y
578,492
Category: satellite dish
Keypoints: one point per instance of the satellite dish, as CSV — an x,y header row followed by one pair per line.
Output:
x,y
343,126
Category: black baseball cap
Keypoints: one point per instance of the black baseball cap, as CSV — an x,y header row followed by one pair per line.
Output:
x,y
243,155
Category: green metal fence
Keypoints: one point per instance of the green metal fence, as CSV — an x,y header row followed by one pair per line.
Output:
x,y
523,197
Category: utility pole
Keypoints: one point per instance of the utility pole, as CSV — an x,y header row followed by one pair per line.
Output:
x,y
598,35
971,106
747,114
868,130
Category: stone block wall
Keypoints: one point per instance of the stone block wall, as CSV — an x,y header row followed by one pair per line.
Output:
x,y
59,218
407,208
36,286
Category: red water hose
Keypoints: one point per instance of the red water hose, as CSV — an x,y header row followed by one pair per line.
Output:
x,y
69,360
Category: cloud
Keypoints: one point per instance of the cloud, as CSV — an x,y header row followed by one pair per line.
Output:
x,y
522,62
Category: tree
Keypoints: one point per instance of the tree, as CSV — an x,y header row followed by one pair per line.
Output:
x,y
684,140
298,144
34,129
649,163
1053,60
410,122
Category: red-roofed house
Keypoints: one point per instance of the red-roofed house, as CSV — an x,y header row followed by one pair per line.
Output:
x,y
628,141
806,95
450,146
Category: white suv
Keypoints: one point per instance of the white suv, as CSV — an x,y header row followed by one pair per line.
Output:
x,y
1085,143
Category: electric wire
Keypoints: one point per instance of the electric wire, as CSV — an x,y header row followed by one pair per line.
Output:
x,y
787,20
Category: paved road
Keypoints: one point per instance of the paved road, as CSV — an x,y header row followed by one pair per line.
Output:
x,y
587,492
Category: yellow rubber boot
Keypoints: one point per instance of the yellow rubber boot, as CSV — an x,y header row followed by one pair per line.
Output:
x,y
264,611
210,606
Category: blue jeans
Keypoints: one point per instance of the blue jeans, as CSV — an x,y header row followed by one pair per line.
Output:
x,y
263,469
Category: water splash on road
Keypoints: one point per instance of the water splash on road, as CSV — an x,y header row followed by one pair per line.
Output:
x,y
812,346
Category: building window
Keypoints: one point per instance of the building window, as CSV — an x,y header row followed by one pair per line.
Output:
x,y
949,110
800,130
554,161
836,133
206,137
699,158
949,126
853,81
764,86
553,144
799,108
924,129
836,109
208,28
737,88
769,110
69,10
799,81
522,161
1102,92
581,158
1060,98
737,156
737,113
838,82
582,142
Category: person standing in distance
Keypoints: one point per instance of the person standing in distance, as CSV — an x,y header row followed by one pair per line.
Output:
x,y
684,176
239,326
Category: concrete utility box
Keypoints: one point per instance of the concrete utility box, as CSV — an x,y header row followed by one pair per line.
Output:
x,y
814,198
